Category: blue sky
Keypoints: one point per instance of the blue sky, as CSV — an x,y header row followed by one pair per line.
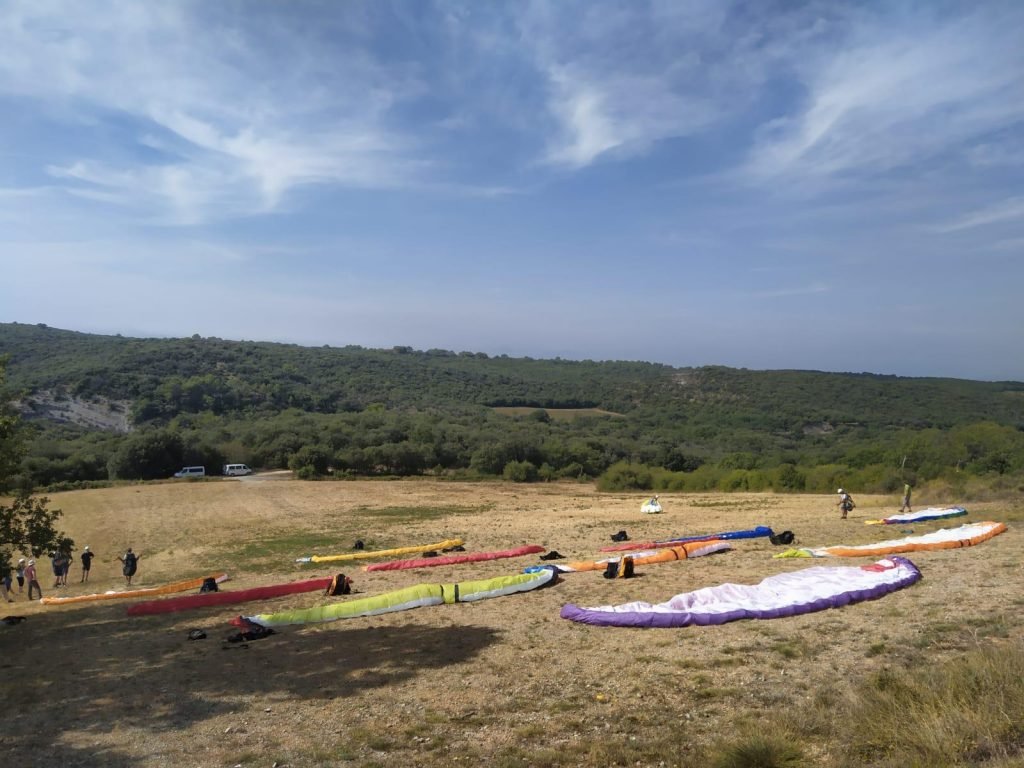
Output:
x,y
818,185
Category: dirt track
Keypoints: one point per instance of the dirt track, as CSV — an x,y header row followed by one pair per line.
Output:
x,y
501,681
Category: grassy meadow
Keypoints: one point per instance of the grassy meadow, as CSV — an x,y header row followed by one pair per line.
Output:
x,y
928,676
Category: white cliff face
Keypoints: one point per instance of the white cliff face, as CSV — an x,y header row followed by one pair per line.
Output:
x,y
96,413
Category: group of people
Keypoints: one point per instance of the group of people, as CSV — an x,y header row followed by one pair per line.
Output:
x,y
846,503
26,574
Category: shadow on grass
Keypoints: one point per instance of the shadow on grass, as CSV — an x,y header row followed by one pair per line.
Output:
x,y
83,675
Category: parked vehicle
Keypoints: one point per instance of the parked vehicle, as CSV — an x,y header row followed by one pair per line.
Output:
x,y
233,470
191,472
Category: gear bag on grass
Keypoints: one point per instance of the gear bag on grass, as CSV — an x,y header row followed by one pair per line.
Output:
x,y
619,569
780,539
340,585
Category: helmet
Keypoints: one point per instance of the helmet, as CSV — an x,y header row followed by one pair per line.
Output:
x,y
840,491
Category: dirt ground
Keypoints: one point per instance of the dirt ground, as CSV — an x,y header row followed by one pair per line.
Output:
x,y
501,682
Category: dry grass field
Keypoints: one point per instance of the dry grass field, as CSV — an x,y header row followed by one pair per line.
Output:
x,y
501,682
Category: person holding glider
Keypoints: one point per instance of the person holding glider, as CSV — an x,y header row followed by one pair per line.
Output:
x,y
845,503
651,506
130,562
905,504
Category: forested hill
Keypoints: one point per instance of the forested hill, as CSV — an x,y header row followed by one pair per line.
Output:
x,y
402,411
162,378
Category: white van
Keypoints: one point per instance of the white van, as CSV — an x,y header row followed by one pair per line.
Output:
x,y
191,472
233,470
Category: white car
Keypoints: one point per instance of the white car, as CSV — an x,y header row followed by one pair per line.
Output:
x,y
234,470
191,472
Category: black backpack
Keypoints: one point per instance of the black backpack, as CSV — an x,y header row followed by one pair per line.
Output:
x,y
781,539
340,585
620,569
209,585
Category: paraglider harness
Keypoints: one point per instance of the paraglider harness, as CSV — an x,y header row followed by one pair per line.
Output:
x,y
130,563
781,539
340,585
619,569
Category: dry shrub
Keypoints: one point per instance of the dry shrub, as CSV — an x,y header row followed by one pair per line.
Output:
x,y
761,749
968,711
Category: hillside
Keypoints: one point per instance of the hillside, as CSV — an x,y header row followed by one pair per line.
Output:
x,y
404,411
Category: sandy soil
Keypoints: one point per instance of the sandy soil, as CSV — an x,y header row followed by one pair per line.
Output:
x,y
502,682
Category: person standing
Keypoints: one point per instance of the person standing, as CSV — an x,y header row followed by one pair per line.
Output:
x,y
845,503
57,563
19,573
905,505
5,583
67,559
130,563
86,564
33,579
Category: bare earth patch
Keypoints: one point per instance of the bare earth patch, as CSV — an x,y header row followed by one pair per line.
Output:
x,y
502,682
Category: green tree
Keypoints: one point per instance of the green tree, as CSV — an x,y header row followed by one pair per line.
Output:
x,y
310,461
147,455
520,472
26,524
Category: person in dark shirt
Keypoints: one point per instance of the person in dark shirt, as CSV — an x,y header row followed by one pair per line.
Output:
x,y
87,556
6,580
130,562
57,562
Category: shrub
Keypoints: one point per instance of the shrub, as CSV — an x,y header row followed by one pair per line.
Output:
x,y
520,472
760,750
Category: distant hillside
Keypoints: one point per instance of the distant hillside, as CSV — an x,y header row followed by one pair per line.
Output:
x,y
162,378
405,411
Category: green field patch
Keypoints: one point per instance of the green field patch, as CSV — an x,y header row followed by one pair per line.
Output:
x,y
420,514
558,414
284,548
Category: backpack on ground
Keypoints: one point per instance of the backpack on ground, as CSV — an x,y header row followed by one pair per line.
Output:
x,y
619,569
780,539
620,536
209,585
340,585
251,632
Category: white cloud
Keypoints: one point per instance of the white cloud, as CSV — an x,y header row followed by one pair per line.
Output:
x,y
242,115
620,78
1005,210
889,95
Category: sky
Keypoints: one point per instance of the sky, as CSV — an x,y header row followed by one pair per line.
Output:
x,y
770,185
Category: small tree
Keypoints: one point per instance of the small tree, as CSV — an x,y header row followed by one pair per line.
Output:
x,y
26,525
520,472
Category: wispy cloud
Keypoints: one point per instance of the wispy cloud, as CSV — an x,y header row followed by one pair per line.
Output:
x,y
613,94
1006,210
234,129
883,93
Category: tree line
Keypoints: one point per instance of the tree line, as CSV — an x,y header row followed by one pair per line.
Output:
x,y
349,411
